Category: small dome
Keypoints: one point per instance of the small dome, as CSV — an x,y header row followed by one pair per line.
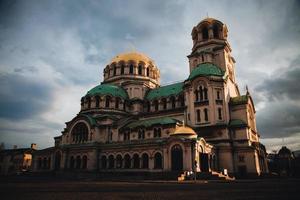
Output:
x,y
108,89
206,69
135,56
184,131
210,20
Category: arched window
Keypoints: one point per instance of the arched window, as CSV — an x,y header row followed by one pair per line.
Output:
x,y
103,162
204,33
119,161
131,69
202,58
126,135
80,132
156,105
115,70
89,102
78,162
84,162
157,161
97,98
111,162
198,115
181,100
145,161
136,161
205,93
216,31
141,134
72,162
173,102
122,69
127,161
148,106
164,103
218,95
157,132
107,101
117,103
140,69
196,95
148,71
220,113
205,114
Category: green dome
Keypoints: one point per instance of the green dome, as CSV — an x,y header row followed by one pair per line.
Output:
x,y
108,89
206,69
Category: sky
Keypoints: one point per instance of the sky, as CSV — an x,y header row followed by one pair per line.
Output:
x,y
53,52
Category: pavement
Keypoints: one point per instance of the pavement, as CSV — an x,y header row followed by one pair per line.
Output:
x,y
52,189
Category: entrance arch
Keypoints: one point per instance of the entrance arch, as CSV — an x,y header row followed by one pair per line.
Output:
x,y
177,158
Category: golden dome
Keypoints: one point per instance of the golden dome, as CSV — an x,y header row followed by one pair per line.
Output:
x,y
184,130
134,56
210,21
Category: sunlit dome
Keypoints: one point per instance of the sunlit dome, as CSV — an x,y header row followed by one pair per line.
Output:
x,y
184,131
132,56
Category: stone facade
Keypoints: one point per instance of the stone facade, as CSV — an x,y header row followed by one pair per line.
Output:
x,y
131,123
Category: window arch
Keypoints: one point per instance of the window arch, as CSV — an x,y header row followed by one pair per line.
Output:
x,y
198,115
145,161
122,69
216,31
103,162
111,162
107,101
84,162
97,98
156,105
173,102
157,132
117,102
127,161
88,99
141,134
205,114
131,69
157,161
205,33
140,70
80,132
115,70
148,71
148,106
119,161
136,161
164,103
220,113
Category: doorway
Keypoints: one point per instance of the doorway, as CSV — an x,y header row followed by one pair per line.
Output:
x,y
57,160
203,162
177,158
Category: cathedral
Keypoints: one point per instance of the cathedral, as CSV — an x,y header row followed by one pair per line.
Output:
x,y
130,123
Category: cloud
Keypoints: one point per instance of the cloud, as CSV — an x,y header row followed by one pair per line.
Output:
x,y
22,97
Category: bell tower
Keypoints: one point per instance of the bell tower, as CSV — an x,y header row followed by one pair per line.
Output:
x,y
210,45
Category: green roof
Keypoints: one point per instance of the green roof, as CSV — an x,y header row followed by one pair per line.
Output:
x,y
237,123
165,91
239,100
90,118
108,89
150,122
206,69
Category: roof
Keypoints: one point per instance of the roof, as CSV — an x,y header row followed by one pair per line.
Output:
x,y
90,118
165,91
108,89
151,122
135,56
237,123
206,69
239,100
184,130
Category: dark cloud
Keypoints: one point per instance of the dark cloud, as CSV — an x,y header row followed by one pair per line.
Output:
x,y
283,83
23,97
